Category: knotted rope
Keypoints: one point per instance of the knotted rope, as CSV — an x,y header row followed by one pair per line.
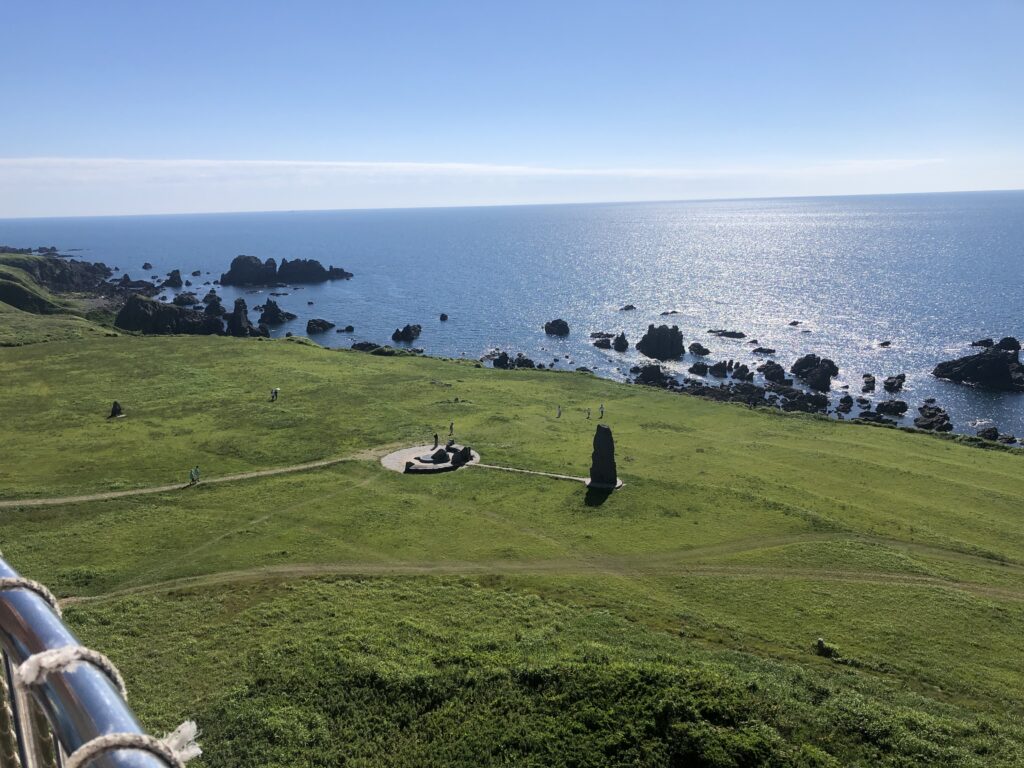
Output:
x,y
36,667
19,582
175,749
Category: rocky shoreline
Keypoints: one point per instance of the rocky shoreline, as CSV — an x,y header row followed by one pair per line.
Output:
x,y
805,386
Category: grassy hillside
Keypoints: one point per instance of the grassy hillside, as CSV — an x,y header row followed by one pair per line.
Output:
x,y
352,615
30,314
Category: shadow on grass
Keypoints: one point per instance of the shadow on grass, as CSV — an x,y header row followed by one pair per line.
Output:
x,y
596,496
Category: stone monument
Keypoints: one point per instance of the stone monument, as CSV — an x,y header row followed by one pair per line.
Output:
x,y
603,474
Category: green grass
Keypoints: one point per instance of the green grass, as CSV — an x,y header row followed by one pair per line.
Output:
x,y
355,616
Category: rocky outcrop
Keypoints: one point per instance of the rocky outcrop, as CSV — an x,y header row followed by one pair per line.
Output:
x,y
995,368
818,372
444,317
556,327
763,351
249,270
173,280
988,433
891,407
239,323
661,343
699,368
145,315
774,372
309,271
408,333
316,325
147,267
869,383
519,361
627,308
1008,344
727,334
652,376
620,343
696,348
186,299
895,383
603,343
272,314
933,418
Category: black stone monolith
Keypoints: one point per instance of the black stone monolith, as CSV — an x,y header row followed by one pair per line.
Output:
x,y
603,473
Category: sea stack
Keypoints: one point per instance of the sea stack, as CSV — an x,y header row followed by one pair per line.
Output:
x,y
603,473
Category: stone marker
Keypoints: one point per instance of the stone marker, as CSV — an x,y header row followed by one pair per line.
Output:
x,y
603,473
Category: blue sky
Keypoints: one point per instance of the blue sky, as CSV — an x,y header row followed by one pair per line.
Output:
x,y
127,107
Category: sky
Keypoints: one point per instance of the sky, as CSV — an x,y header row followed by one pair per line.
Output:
x,y
114,107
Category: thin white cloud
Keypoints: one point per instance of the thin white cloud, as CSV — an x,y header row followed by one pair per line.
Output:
x,y
114,169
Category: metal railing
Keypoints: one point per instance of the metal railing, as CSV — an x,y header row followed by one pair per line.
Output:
x,y
66,709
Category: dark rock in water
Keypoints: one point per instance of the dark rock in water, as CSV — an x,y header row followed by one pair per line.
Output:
x,y
444,317
502,361
1008,344
317,325
699,369
894,383
408,333
584,369
346,329
627,308
929,401
719,369
933,418
522,361
603,472
197,273
982,343
876,418
696,348
249,270
661,343
173,280
993,368
989,433
188,283
794,322
238,321
601,335
147,267
148,316
264,330
653,376
116,410
727,334
273,314
620,343
308,271
845,404
211,296
869,383
885,344
603,343
185,299
670,312
774,372
892,407
764,351
365,346
556,327
816,371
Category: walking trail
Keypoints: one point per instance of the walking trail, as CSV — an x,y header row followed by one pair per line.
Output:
x,y
53,502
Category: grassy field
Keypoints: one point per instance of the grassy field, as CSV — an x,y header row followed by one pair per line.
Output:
x,y
350,615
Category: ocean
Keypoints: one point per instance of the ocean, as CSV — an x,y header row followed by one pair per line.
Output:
x,y
927,272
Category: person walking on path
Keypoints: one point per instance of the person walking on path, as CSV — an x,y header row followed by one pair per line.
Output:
x,y
194,475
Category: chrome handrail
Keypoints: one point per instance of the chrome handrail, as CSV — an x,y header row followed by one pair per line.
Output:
x,y
79,704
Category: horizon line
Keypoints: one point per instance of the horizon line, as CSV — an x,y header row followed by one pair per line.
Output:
x,y
644,201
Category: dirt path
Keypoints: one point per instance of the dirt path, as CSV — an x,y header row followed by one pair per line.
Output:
x,y
619,566
532,472
11,503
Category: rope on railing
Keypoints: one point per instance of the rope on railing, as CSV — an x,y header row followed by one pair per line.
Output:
x,y
8,730
175,749
19,582
36,667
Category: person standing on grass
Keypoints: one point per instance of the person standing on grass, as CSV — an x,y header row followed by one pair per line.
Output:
x,y
601,409
451,428
588,413
558,413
